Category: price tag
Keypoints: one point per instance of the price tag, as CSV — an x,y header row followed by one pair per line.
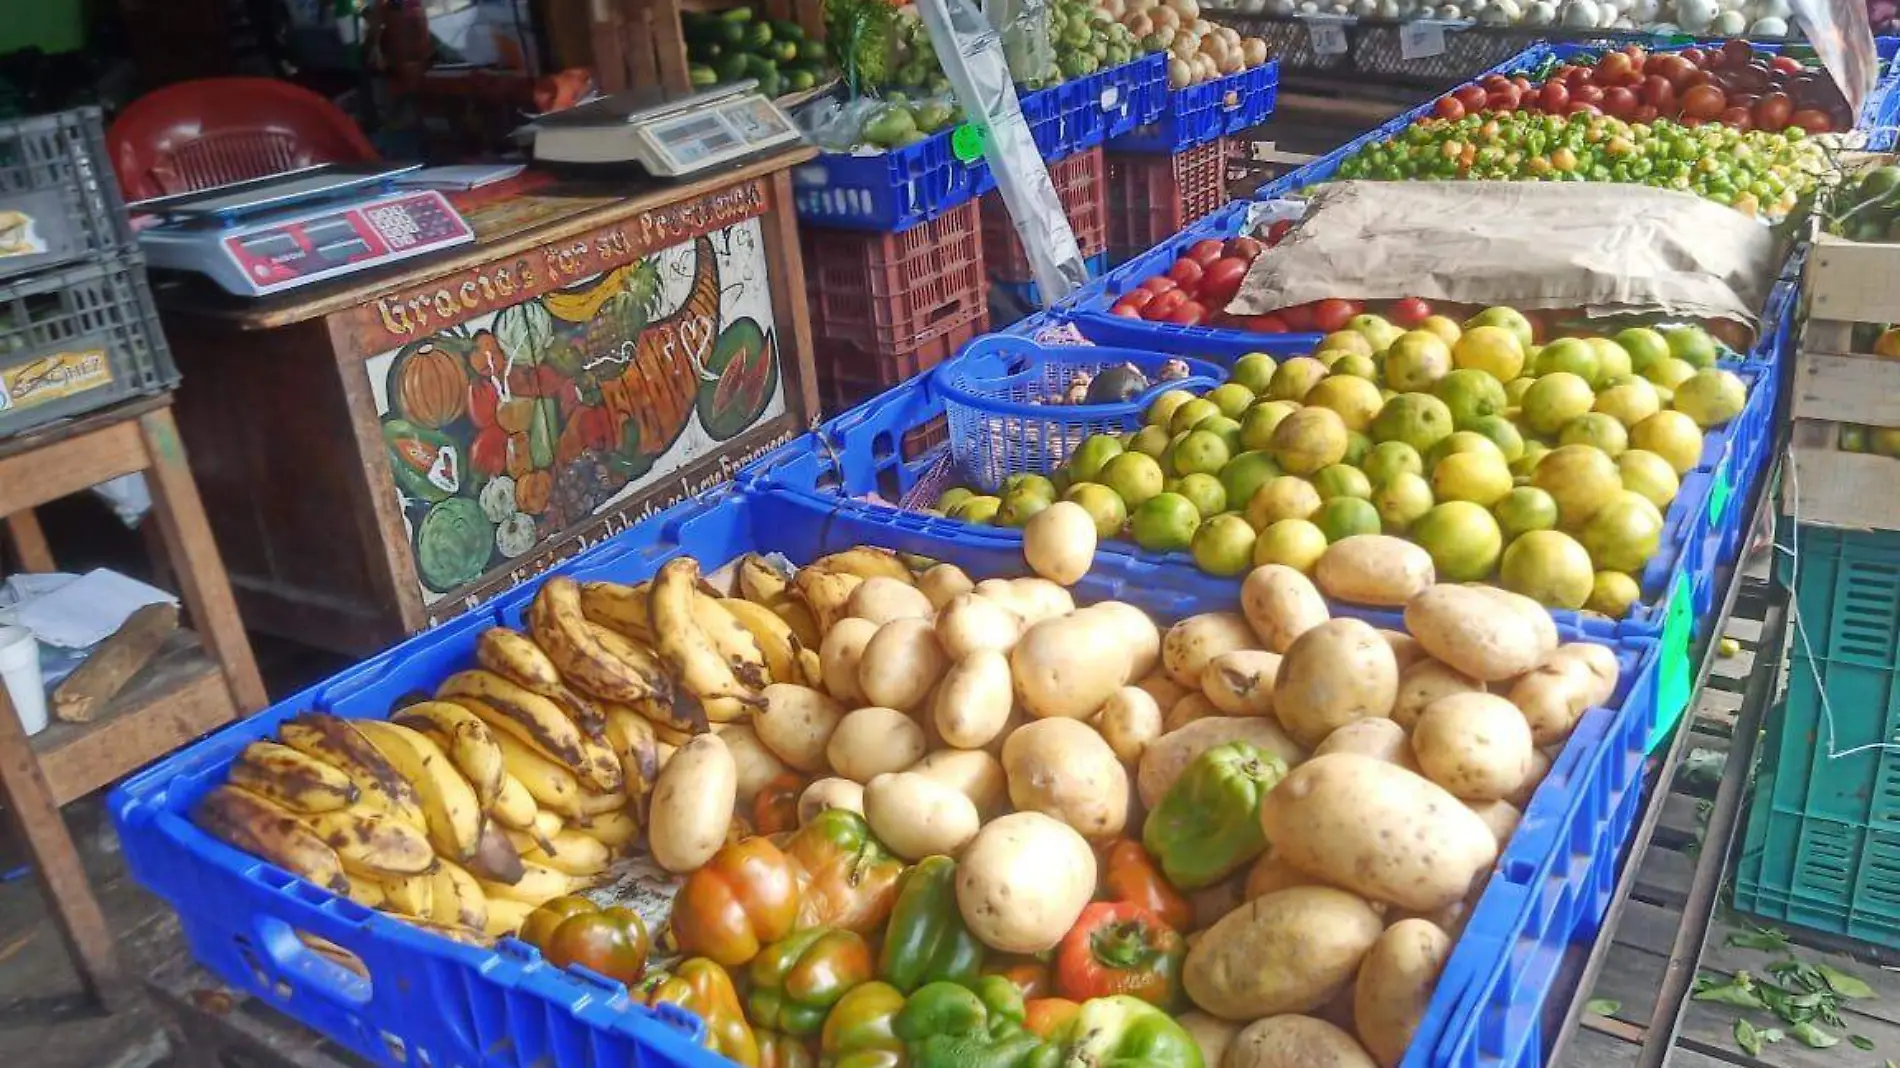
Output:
x,y
1326,38
1721,489
1421,39
966,142
1674,677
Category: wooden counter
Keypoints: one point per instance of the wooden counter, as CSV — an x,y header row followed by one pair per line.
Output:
x,y
383,452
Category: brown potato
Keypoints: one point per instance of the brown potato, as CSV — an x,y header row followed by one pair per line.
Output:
x,y
1288,951
1475,745
1281,604
1289,1041
1335,673
1424,682
1395,985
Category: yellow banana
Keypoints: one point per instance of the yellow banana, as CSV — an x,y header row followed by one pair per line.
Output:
x,y
465,738
448,801
637,745
291,778
759,581
589,804
371,842
612,829
506,916
337,742
458,898
825,593
269,831
798,617
539,883
366,891
774,636
530,718
555,620
553,787
547,824
515,657
411,895
688,652
570,852
514,806
734,641
618,607
867,561
495,859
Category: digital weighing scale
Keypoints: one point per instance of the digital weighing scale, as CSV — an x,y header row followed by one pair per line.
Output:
x,y
671,135
267,235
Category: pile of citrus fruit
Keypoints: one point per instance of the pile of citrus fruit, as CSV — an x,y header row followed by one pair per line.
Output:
x,y
1545,468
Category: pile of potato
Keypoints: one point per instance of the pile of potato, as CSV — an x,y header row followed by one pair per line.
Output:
x,y
1000,723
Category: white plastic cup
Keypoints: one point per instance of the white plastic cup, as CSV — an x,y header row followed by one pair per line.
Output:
x,y
20,667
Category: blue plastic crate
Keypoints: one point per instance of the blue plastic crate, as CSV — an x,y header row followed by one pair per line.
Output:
x,y
1088,307
892,190
1200,113
1029,294
1080,114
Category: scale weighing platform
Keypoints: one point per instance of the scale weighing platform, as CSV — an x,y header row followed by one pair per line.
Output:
x,y
671,135
267,235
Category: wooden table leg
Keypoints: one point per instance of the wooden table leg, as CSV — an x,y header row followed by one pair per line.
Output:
x,y
29,542
35,820
194,557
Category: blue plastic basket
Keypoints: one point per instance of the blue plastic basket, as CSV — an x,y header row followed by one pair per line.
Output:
x,y
1201,113
891,190
1002,399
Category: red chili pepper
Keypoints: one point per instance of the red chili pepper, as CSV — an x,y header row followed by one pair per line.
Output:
x,y
1120,948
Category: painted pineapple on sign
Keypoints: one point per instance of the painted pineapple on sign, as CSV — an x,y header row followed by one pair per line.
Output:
x,y
512,427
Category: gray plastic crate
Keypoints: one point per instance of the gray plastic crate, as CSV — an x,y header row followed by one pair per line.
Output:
x,y
58,197
75,339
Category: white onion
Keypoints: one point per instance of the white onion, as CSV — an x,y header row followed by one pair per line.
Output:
x,y
1769,27
1728,23
1540,13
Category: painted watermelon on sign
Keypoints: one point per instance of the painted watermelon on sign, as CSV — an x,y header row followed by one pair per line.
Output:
x,y
743,368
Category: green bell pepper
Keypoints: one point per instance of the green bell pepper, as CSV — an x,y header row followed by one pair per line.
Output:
x,y
1126,1032
797,979
858,1031
1208,823
927,940
979,1026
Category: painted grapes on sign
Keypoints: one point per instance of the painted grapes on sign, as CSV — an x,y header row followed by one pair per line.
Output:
x,y
516,425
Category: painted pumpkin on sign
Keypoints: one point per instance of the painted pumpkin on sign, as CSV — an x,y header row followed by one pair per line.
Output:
x,y
429,385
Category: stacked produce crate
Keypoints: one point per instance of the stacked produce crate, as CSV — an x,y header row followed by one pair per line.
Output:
x,y
77,327
1156,196
1082,187
1820,849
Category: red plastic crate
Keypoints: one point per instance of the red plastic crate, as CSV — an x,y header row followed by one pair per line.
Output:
x,y
1082,186
1155,197
891,293
849,375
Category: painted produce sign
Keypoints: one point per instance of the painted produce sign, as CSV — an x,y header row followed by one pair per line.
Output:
x,y
512,425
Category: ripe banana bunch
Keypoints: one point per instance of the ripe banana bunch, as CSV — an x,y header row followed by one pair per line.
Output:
x,y
515,657
702,661
533,720
866,561
559,627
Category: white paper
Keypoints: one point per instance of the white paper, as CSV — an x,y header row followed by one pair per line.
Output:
x,y
88,609
462,177
1326,38
1421,39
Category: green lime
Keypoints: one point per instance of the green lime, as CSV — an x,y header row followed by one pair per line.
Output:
x,y
1134,476
1189,415
952,497
1613,361
1225,429
1200,452
1417,419
1308,440
1295,378
1357,445
1231,399
1342,517
1030,482
1555,399
1286,497
1223,545
1401,500
1354,365
1644,346
1252,371
1612,593
1691,344
978,509
1503,433
1161,409
1624,533
1390,458
1085,463
1668,373
1204,491
1103,505
1596,430
1471,395
1570,355
1295,543
1246,473
1462,538
1524,509
1339,480
1164,523
1549,567
1021,504
1258,423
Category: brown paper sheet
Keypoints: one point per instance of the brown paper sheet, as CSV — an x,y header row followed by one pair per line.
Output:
x,y
1608,249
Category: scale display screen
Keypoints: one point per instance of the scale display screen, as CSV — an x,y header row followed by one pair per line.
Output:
x,y
713,135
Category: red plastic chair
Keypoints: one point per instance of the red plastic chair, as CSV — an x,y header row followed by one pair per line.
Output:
x,y
213,131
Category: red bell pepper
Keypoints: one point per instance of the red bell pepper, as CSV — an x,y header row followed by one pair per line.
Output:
x,y
1120,948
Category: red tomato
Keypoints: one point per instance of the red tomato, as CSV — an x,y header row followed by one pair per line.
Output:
x,y
1658,93
1554,97
1186,274
1737,117
1222,280
1582,76
1695,56
1580,108
1644,113
1206,251
1677,69
1811,120
1614,67
1471,96
1408,312
1493,82
1332,314
1448,108
1298,318
1524,86
1137,296
1785,64
1261,324
1703,102
1736,53
1505,99
1125,309
1772,112
1188,313
1565,72
1244,248
1637,55
1159,284
1618,101
1585,94
1278,231
1690,122
1163,306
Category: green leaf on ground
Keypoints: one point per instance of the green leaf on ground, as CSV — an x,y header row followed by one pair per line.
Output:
x,y
1602,1006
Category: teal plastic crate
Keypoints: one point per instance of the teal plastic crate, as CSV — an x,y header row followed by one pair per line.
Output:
x,y
1822,848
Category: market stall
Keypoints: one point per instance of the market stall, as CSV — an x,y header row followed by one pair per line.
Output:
x,y
385,450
